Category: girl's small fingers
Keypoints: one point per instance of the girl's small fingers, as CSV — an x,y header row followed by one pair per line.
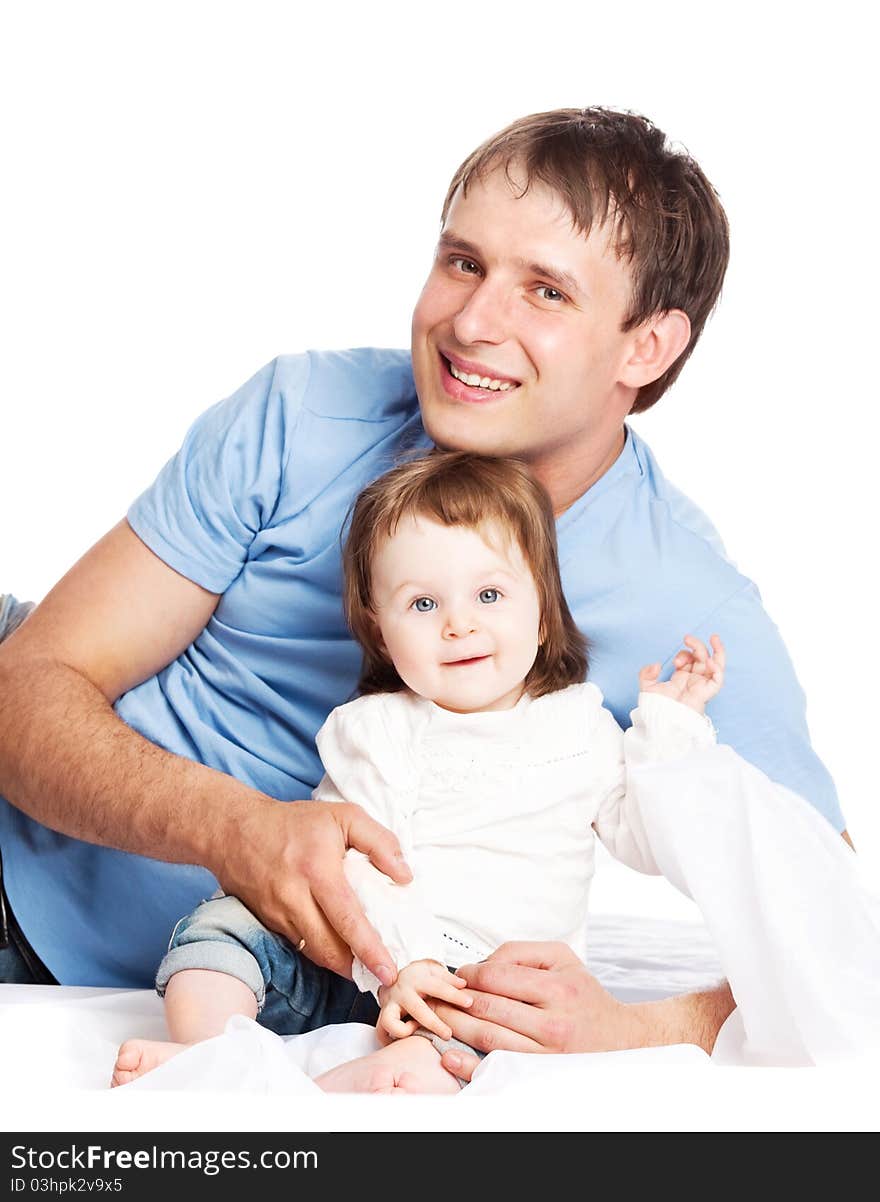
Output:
x,y
390,1022
409,1000
702,651
720,655
425,1017
447,986
447,992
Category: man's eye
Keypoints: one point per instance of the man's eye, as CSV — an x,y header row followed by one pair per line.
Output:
x,y
424,605
467,266
488,595
550,294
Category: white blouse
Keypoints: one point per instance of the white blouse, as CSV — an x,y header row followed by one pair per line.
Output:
x,y
495,812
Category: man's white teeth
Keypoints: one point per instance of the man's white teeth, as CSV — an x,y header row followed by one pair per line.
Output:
x,y
480,381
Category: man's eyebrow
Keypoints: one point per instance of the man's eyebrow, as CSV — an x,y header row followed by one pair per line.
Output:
x,y
450,241
556,275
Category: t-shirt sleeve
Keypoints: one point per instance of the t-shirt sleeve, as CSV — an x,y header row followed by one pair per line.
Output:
x,y
761,710
203,511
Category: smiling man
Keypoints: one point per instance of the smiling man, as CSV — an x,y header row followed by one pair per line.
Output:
x,y
158,710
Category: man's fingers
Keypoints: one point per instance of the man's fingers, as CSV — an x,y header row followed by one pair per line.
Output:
x,y
534,955
521,982
377,842
323,945
344,913
295,915
518,1007
487,1036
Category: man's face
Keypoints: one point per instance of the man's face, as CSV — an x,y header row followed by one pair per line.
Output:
x,y
521,301
458,613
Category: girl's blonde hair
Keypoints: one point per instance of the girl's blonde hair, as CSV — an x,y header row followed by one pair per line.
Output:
x,y
460,488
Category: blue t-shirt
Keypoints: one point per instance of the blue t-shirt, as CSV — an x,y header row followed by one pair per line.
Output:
x,y
253,506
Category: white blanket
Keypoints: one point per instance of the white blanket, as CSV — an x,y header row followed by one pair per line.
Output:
x,y
787,920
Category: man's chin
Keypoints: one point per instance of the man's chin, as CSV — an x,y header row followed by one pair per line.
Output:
x,y
463,431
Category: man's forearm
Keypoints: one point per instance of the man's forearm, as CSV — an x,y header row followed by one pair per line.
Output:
x,y
690,1018
68,761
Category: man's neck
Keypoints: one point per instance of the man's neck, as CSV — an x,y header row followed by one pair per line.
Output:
x,y
568,478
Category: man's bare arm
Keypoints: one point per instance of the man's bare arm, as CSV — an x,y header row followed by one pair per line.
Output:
x,y
119,616
116,618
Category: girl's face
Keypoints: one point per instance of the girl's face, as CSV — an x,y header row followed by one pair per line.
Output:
x,y
458,613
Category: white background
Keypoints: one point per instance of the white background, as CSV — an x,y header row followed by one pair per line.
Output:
x,y
192,188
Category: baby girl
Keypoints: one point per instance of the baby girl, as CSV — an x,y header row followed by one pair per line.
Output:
x,y
476,739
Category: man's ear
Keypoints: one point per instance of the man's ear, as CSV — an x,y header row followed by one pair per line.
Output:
x,y
658,343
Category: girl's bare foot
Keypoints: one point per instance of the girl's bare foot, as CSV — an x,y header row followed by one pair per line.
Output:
x,y
138,1056
406,1066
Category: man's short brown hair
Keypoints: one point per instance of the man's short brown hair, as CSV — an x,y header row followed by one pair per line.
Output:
x,y
461,488
666,217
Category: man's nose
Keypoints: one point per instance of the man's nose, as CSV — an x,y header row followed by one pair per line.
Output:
x,y
483,317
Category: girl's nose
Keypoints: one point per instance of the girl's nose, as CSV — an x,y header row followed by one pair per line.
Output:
x,y
459,624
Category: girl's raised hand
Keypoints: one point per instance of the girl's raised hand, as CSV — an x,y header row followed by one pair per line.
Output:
x,y
697,675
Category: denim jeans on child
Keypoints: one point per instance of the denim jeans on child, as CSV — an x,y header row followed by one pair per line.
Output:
x,y
293,994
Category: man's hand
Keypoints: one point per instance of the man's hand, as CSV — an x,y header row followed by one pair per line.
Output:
x,y
539,997
697,676
284,860
404,1005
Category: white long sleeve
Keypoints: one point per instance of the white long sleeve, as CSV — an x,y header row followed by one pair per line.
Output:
x,y
408,928
662,730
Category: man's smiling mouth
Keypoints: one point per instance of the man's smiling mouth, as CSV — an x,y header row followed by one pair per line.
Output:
x,y
475,381
474,375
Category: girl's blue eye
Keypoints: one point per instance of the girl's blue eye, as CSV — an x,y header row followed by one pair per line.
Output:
x,y
424,605
488,595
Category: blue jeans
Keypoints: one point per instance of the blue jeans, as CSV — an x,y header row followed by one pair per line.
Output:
x,y
12,613
293,994
19,963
